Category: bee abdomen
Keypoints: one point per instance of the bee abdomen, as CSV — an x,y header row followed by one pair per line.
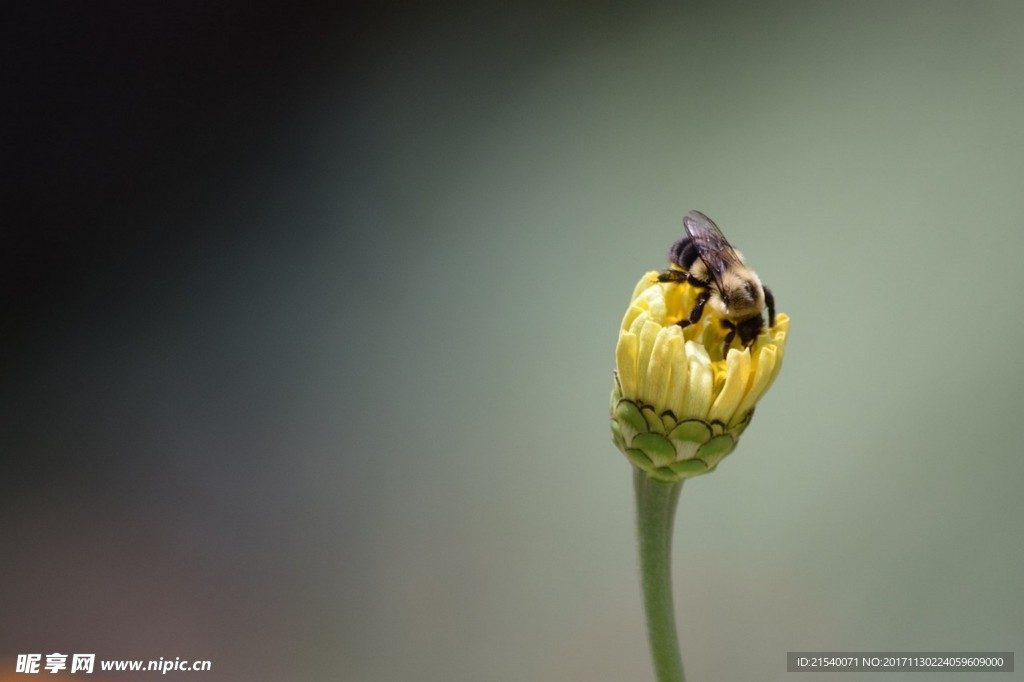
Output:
x,y
684,253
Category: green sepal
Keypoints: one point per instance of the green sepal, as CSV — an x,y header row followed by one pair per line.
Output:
x,y
691,430
652,419
638,458
663,474
715,449
656,447
690,467
617,438
670,451
629,415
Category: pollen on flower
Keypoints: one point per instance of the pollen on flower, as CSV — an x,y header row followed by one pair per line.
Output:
x,y
678,406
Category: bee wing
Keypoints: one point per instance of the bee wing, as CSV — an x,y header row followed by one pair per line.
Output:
x,y
712,246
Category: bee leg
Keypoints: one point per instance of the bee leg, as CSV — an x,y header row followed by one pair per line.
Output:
x,y
698,310
769,301
677,276
728,337
682,277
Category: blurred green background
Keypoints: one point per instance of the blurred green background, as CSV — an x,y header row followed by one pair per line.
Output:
x,y
342,414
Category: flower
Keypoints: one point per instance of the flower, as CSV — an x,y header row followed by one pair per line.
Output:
x,y
678,407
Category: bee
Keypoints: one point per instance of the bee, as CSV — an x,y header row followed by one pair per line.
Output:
x,y
707,261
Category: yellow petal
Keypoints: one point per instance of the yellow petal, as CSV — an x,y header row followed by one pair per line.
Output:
x,y
625,363
638,321
676,399
763,369
700,381
737,374
648,333
632,313
647,281
659,370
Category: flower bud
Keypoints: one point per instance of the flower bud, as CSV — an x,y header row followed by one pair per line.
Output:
x,y
678,407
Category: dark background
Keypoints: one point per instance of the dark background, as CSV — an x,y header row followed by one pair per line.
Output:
x,y
162,196
309,315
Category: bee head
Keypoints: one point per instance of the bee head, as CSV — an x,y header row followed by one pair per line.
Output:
x,y
749,329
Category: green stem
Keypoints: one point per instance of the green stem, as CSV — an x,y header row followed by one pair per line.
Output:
x,y
655,514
